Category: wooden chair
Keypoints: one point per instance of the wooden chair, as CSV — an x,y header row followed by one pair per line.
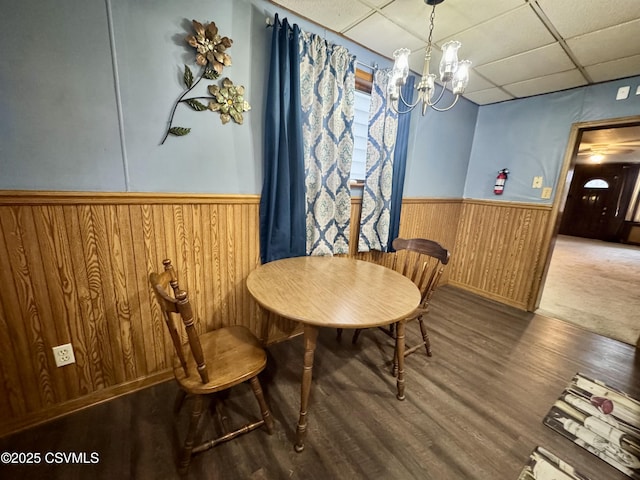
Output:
x,y
423,262
209,363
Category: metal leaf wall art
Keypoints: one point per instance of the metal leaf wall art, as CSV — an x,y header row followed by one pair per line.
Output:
x,y
212,57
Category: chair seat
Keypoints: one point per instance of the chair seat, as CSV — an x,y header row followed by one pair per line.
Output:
x,y
227,350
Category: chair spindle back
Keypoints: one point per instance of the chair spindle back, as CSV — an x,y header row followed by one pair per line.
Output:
x,y
423,262
178,304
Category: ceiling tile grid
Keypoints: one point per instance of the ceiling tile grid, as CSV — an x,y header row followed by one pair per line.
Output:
x,y
612,43
577,17
518,48
548,84
615,69
530,64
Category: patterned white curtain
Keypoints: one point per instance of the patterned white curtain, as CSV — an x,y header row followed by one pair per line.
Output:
x,y
376,196
327,84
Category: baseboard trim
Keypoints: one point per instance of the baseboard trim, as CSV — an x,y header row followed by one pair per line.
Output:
x,y
489,295
77,404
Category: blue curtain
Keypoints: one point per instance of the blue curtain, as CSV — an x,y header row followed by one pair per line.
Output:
x,y
400,163
282,204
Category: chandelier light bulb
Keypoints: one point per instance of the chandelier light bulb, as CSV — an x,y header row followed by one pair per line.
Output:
x,y
461,77
449,62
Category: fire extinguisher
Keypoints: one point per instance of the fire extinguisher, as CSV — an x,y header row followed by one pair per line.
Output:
x,y
500,180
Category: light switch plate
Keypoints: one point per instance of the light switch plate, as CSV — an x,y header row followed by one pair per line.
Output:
x,y
546,192
623,93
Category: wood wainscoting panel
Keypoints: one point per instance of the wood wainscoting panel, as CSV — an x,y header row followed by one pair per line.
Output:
x,y
499,250
75,268
433,218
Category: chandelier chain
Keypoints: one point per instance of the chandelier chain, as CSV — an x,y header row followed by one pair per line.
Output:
x,y
431,21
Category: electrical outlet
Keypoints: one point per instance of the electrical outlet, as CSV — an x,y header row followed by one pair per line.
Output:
x,y
63,355
546,192
537,182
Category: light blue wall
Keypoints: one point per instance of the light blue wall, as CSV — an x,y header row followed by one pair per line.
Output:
x,y
87,87
151,53
58,116
530,137
440,146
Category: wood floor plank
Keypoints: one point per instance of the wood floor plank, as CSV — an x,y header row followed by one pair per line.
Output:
x,y
473,411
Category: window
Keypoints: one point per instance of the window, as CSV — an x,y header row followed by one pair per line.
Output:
x,y
360,134
364,82
596,183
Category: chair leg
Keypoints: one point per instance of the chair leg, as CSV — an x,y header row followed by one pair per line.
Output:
x,y
185,455
177,405
356,334
339,333
425,337
220,415
264,409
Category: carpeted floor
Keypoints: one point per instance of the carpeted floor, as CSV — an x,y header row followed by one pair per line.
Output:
x,y
595,285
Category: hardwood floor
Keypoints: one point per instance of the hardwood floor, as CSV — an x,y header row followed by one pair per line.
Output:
x,y
473,411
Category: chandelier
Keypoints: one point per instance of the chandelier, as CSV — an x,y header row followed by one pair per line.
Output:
x,y
453,73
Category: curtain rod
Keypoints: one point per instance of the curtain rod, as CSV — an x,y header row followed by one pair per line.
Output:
x,y
269,23
371,67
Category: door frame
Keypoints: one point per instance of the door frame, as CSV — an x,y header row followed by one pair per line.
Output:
x,y
559,200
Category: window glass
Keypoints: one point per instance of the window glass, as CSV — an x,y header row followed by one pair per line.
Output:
x,y
596,183
360,133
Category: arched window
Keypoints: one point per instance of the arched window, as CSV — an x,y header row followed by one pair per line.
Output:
x,y
597,183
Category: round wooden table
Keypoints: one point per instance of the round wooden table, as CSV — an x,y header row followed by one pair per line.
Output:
x,y
334,292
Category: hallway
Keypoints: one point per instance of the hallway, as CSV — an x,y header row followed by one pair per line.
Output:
x,y
595,285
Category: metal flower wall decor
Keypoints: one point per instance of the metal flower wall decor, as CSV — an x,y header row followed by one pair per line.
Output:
x,y
212,57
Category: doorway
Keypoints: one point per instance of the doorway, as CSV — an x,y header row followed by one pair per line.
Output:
x,y
591,209
598,200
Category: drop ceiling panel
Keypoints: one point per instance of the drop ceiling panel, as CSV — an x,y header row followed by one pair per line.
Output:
x,y
492,95
451,17
550,83
337,14
383,36
625,67
608,44
477,83
577,17
534,63
515,32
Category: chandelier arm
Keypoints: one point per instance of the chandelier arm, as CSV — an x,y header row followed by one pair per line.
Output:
x,y
409,105
396,109
447,108
437,100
